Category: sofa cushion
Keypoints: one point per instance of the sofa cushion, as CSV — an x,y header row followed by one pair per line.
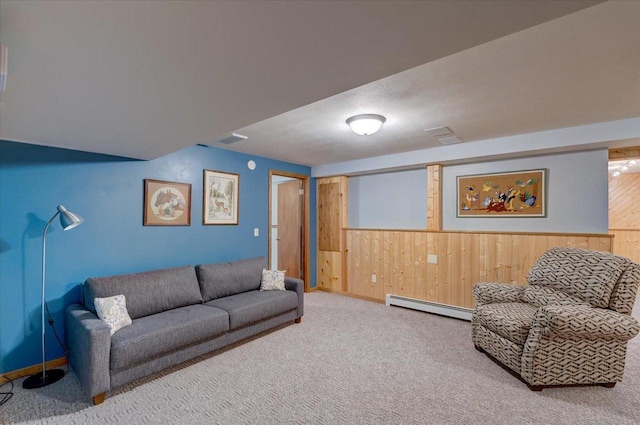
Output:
x,y
511,321
253,306
161,333
148,292
588,275
224,279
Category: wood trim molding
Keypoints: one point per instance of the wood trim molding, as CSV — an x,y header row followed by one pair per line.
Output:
x,y
485,232
349,294
343,259
306,213
434,197
624,153
30,370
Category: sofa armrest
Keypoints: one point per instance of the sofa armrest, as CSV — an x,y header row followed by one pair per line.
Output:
x,y
585,322
293,284
490,293
89,343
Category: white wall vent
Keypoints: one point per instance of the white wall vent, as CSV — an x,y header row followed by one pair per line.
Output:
x,y
232,138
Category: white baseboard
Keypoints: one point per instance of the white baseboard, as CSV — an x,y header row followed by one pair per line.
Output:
x,y
429,307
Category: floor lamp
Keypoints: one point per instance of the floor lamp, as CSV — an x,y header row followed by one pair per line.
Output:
x,y
68,220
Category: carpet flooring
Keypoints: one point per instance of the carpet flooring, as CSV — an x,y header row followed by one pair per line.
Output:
x,y
348,362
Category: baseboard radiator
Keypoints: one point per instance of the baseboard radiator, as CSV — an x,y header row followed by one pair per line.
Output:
x,y
429,307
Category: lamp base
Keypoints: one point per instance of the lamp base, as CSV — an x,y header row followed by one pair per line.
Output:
x,y
38,381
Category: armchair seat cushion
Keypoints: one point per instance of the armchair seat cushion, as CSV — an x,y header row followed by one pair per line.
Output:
x,y
511,321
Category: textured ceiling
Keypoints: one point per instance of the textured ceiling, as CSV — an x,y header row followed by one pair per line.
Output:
x,y
143,79
576,70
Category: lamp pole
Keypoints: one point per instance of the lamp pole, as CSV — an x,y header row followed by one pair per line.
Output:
x,y
68,221
44,268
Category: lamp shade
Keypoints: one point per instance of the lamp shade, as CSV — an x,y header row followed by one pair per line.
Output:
x,y
69,220
366,124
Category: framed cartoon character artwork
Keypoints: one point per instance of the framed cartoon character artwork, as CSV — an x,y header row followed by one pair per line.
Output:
x,y
510,194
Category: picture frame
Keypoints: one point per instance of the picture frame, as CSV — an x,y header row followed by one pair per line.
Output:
x,y
166,203
507,194
220,197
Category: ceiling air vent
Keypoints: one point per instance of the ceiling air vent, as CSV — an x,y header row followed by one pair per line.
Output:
x,y
438,131
232,138
449,140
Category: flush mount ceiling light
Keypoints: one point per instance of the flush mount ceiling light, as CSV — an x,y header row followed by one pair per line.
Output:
x,y
366,124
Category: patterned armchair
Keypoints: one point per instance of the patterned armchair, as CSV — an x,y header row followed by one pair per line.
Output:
x,y
569,326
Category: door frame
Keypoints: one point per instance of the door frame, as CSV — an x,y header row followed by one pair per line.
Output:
x,y
306,221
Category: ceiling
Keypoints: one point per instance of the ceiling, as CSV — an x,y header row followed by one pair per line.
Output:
x,y
144,79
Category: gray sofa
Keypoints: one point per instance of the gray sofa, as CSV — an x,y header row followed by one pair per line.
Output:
x,y
177,314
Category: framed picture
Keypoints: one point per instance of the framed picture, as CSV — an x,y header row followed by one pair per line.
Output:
x,y
166,203
511,194
220,197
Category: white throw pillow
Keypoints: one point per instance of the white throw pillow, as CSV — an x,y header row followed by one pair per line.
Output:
x,y
272,280
113,311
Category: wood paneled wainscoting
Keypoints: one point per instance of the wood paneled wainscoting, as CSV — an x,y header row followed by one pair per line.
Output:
x,y
403,261
627,243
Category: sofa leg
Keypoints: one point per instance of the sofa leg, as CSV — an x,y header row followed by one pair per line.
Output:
x,y
98,399
609,385
479,349
536,387
299,319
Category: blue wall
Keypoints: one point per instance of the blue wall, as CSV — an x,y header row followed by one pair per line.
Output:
x,y
108,191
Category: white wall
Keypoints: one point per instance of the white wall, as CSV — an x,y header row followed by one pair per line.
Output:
x,y
396,200
591,136
577,194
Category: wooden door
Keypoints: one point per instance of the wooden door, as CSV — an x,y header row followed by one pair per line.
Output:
x,y
289,227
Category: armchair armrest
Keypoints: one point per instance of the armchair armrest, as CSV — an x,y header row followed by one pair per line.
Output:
x,y
89,343
293,284
586,322
489,293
